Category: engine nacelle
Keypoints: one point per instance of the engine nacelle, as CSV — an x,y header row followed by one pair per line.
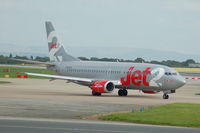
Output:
x,y
103,86
149,91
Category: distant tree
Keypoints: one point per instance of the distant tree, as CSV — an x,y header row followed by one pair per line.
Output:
x,y
120,60
171,63
117,60
139,60
83,58
155,62
187,62
21,57
42,59
108,59
31,57
10,56
94,59
190,61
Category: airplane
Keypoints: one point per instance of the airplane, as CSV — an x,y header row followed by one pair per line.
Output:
x,y
105,77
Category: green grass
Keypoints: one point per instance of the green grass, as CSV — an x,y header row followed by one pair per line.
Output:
x,y
4,82
14,71
180,69
178,114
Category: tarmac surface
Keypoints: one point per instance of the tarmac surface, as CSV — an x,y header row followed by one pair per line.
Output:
x,y
18,125
40,98
23,103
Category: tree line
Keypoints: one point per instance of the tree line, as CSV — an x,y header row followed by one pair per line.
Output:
x,y
170,63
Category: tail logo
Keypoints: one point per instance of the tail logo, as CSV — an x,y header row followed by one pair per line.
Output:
x,y
54,45
57,51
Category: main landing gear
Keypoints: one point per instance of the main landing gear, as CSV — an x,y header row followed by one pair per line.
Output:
x,y
122,92
96,93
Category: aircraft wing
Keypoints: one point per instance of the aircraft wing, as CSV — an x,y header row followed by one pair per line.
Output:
x,y
34,62
73,79
60,77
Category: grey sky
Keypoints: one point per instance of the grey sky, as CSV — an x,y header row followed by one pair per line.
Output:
x,y
171,25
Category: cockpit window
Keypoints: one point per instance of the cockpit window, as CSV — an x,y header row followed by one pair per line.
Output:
x,y
174,73
166,73
169,73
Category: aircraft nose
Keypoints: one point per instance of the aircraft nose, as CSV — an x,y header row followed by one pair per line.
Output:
x,y
181,81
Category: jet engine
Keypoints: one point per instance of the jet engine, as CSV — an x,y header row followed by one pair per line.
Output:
x,y
149,91
102,86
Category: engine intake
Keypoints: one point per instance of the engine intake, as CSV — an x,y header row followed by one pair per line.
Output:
x,y
103,86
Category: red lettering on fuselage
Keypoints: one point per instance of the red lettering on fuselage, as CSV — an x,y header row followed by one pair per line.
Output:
x,y
136,77
128,77
145,73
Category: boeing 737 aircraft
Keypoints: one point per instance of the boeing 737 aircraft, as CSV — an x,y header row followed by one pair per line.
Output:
x,y
105,77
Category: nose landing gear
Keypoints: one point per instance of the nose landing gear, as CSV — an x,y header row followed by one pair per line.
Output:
x,y
165,96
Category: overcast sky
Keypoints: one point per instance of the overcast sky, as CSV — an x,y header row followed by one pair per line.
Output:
x,y
169,25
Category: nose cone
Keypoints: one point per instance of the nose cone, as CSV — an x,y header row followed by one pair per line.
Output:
x,y
180,81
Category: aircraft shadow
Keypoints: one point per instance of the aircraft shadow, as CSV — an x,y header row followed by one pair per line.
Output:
x,y
103,95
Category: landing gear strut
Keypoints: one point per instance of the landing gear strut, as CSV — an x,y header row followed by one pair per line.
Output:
x,y
122,92
96,93
165,96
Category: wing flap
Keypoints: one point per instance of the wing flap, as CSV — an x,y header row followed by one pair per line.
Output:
x,y
74,79
60,77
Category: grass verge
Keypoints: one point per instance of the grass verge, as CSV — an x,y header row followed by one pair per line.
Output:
x,y
180,69
4,82
14,71
178,114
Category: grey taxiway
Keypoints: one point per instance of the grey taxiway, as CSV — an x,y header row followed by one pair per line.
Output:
x,y
36,98
17,125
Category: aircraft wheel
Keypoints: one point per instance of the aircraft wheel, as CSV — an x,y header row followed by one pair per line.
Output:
x,y
122,92
125,92
165,96
96,93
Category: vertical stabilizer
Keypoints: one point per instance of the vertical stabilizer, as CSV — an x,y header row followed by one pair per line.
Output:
x,y
56,49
